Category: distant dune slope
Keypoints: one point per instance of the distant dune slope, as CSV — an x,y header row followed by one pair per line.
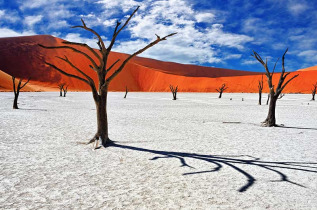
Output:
x,y
312,68
22,57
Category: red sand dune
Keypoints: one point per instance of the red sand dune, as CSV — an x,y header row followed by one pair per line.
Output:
x,y
22,57
312,68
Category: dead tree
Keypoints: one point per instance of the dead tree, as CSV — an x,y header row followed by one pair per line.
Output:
x,y
16,91
281,95
260,86
65,90
61,87
274,92
221,89
174,91
268,99
313,91
126,92
102,69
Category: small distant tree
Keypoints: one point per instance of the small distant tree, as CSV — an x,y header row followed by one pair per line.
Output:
x,y
16,90
174,91
274,92
221,89
61,87
126,92
65,90
313,91
260,86
268,99
102,68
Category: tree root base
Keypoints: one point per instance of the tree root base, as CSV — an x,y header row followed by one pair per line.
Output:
x,y
265,124
96,140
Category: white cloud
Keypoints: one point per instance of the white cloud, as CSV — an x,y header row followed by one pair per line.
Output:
x,y
10,16
297,8
109,23
58,24
310,55
76,37
250,62
124,5
191,45
31,4
6,32
205,17
32,20
233,56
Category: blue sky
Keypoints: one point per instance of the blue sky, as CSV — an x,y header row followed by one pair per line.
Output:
x,y
220,33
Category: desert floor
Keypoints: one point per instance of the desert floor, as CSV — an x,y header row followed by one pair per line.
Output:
x,y
168,154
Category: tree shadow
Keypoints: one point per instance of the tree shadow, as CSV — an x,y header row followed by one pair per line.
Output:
x,y
300,128
34,109
233,162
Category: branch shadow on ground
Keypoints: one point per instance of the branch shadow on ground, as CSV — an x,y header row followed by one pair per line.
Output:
x,y
33,109
234,162
300,128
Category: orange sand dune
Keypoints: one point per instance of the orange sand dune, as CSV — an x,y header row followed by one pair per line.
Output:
x,y
6,84
22,57
312,68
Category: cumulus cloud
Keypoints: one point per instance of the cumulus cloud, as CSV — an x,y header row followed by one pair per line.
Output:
x,y
76,37
310,55
6,32
297,8
191,45
250,62
31,20
204,17
9,16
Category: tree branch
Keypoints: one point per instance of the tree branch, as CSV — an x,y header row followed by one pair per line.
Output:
x,y
25,83
274,67
103,48
116,31
89,79
288,82
137,53
113,65
73,49
67,74
86,46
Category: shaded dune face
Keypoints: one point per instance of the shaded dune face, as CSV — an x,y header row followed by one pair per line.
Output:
x,y
23,58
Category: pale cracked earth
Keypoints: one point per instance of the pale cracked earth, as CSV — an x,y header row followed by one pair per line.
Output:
x,y
168,154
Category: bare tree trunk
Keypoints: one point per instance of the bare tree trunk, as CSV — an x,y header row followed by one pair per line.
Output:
x,y
16,90
126,92
65,90
270,119
15,102
102,119
260,98
268,99
60,93
313,91
260,86
220,94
